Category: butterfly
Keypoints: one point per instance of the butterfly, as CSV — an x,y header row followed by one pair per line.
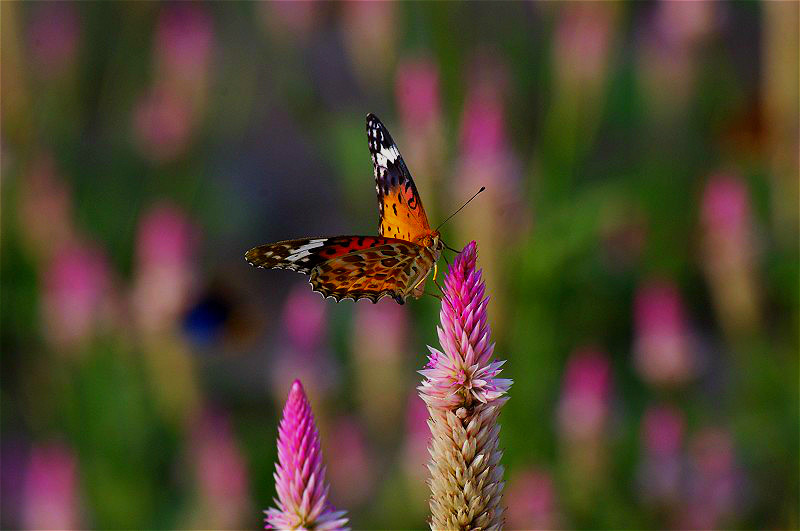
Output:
x,y
394,264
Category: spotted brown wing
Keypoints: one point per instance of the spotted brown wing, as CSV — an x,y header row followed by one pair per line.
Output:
x,y
390,270
401,213
304,254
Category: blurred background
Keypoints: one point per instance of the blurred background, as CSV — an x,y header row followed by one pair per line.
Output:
x,y
639,238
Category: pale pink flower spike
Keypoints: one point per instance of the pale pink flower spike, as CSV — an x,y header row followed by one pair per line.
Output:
x,y
464,396
463,372
299,474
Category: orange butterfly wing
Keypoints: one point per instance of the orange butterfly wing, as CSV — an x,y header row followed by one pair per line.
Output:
x,y
394,270
351,267
402,215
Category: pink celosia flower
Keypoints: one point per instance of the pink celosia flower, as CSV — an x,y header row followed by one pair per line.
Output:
x,y
184,40
583,41
464,372
583,408
76,294
370,31
221,473
165,243
419,111
486,158
299,474
379,358
352,471
303,352
464,396
45,210
162,124
294,22
729,253
51,493
662,347
532,501
417,92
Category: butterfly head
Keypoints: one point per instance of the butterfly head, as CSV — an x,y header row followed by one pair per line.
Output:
x,y
431,240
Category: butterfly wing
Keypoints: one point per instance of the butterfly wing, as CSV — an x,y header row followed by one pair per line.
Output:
x,y
304,254
401,213
389,270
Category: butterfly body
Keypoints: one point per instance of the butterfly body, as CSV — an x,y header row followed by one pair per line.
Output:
x,y
394,264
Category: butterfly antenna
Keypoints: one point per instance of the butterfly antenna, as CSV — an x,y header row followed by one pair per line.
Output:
x,y
449,249
462,206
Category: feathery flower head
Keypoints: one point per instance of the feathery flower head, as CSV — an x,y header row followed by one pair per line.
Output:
x,y
462,372
299,474
464,396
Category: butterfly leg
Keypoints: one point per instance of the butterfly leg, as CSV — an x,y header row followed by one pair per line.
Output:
x,y
439,297
438,285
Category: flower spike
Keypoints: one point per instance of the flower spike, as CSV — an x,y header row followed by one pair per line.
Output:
x,y
302,501
463,394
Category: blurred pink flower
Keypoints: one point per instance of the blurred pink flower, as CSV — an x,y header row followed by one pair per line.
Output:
x,y
351,465
303,352
53,37
464,396
486,158
662,430
417,434
293,21
713,493
162,124
370,31
666,61
165,248
379,358
422,134
184,40
417,92
304,317
661,470
662,346
728,251
299,473
51,498
582,43
726,207
221,473
585,395
684,23
75,294
45,209
531,500
483,124
165,238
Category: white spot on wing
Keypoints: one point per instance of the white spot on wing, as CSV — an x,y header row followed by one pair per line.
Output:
x,y
303,250
386,155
